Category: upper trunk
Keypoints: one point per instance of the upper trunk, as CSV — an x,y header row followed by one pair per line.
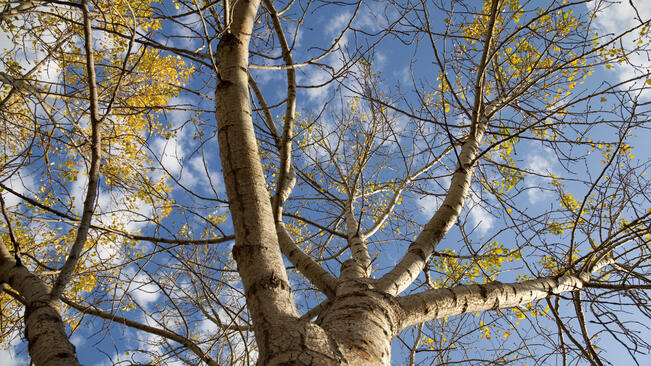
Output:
x,y
356,327
361,319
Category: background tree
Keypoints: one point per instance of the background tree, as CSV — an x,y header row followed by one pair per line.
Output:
x,y
479,202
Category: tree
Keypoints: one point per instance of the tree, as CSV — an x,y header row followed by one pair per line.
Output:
x,y
309,247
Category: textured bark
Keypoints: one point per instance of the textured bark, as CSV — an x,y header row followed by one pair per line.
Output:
x,y
361,316
256,250
356,241
318,276
361,319
45,332
356,326
440,303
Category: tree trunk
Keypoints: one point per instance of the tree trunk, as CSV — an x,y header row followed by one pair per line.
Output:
x,y
356,328
48,343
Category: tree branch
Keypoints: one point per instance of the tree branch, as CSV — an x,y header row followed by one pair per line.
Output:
x,y
94,173
440,303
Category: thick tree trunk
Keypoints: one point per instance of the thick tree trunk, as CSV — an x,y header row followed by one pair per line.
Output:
x,y
48,343
356,328
361,319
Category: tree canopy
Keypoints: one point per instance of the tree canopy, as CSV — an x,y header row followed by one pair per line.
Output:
x,y
318,182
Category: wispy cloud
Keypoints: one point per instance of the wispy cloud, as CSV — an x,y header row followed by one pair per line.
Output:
x,y
540,162
481,219
10,356
616,18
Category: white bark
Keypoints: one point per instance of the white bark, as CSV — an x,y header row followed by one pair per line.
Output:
x,y
256,245
318,276
356,240
45,332
440,303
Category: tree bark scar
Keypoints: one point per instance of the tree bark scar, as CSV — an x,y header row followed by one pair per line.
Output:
x,y
511,288
226,45
465,305
418,252
236,252
46,317
223,83
483,292
454,296
228,40
273,282
496,304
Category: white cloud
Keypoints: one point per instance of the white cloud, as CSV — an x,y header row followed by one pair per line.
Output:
x,y
209,327
197,175
428,205
19,183
540,164
28,52
616,18
185,29
337,24
535,194
170,153
78,340
78,191
140,287
481,219
403,75
540,161
317,76
5,41
10,356
143,290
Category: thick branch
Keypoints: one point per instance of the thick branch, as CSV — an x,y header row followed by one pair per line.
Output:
x,y
318,276
256,248
358,247
422,248
412,263
440,303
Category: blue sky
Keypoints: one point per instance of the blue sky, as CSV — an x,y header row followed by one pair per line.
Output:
x,y
395,62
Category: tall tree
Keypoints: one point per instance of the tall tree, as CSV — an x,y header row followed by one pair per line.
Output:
x,y
242,182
